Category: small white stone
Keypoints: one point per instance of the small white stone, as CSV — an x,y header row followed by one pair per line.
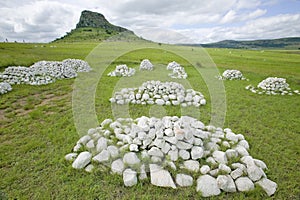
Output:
x,y
197,152
191,165
117,166
71,156
244,184
129,177
226,183
82,160
133,147
154,151
254,173
89,168
220,157
268,186
183,145
169,132
131,158
184,180
173,155
224,168
113,151
204,169
184,154
143,174
236,173
101,144
208,186
102,157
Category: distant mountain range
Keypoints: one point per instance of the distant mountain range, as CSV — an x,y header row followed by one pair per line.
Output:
x,y
282,43
93,27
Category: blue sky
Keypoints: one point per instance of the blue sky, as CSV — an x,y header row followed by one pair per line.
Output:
x,y
169,21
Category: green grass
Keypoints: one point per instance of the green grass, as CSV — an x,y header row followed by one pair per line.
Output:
x,y
37,127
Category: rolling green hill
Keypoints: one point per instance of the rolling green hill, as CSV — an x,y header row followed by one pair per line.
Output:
x,y
282,43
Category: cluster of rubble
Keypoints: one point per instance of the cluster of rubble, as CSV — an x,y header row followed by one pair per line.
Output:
x,y
273,86
152,147
160,93
177,70
231,75
122,70
44,72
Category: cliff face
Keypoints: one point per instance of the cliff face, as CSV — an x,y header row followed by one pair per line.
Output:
x,y
96,20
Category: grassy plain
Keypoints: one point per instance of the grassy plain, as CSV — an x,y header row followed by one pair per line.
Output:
x,y
37,127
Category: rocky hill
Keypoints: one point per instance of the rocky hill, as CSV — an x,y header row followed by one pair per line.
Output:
x,y
93,27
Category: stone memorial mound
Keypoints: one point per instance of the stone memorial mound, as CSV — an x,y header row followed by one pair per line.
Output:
x,y
160,93
122,70
273,86
231,75
177,70
172,152
146,65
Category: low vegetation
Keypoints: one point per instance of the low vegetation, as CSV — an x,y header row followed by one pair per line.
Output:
x,y
37,128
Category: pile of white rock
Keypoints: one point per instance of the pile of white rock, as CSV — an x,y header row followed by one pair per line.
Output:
x,y
5,87
273,86
152,147
231,75
177,70
44,72
146,65
160,93
122,70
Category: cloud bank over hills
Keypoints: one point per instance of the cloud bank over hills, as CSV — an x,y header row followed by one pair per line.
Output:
x,y
189,21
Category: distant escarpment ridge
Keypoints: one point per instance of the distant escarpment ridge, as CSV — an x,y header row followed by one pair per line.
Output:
x,y
281,43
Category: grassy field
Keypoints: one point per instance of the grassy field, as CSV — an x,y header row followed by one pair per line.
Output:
x,y
37,128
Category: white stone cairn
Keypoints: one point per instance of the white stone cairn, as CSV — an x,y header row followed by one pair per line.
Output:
x,y
166,152
231,74
146,65
122,70
160,93
177,70
5,87
272,86
43,72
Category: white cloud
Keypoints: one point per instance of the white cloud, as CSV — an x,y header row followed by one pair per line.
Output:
x,y
159,20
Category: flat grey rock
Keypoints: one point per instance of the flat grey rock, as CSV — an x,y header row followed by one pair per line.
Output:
x,y
183,145
184,154
71,156
220,157
131,159
208,186
191,165
268,186
244,184
184,180
154,151
254,173
102,157
196,152
204,169
226,183
160,177
129,177
117,166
